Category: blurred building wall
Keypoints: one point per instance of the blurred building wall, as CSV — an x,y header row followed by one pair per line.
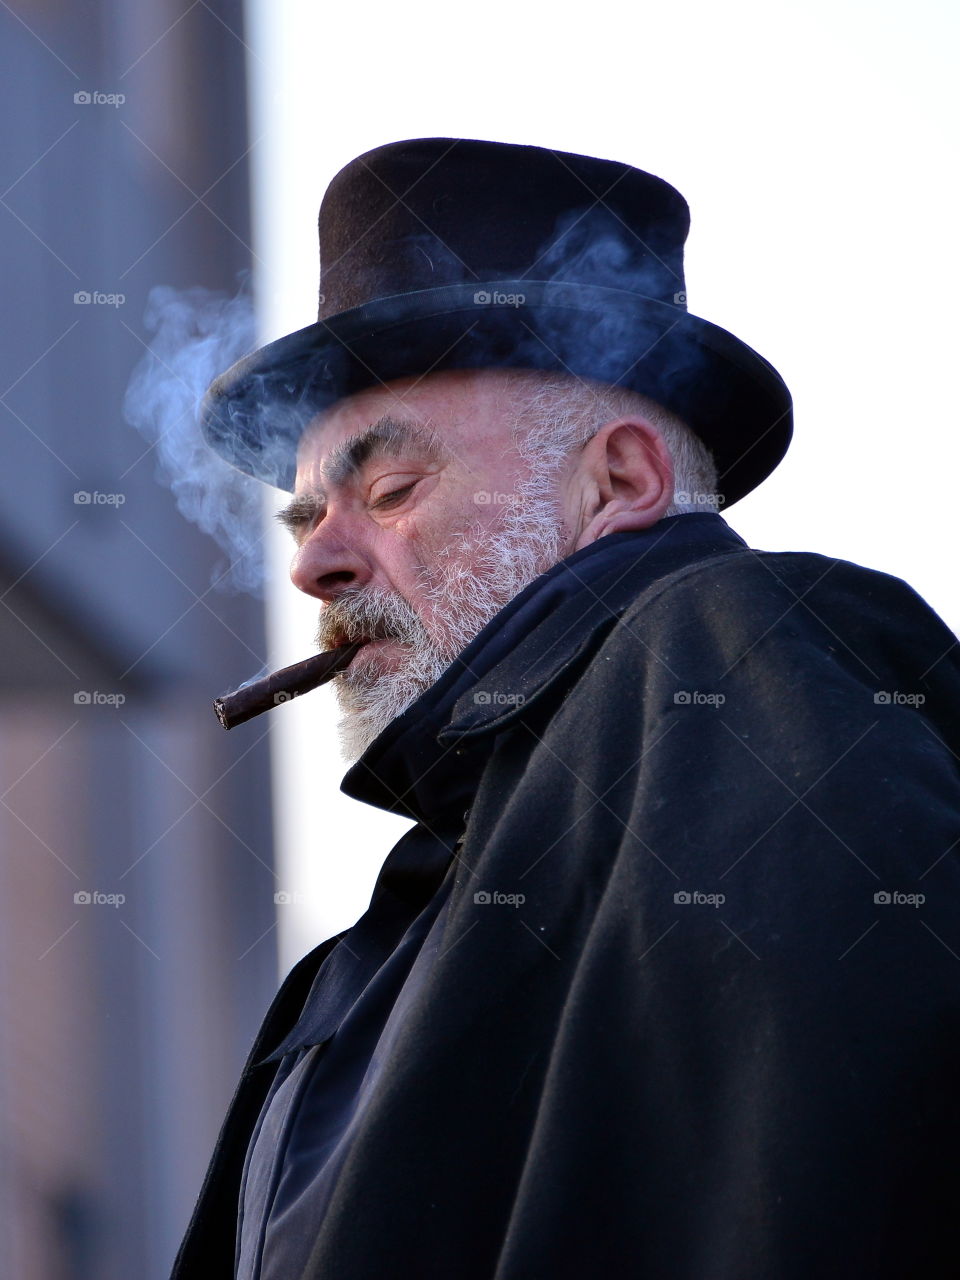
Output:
x,y
123,1021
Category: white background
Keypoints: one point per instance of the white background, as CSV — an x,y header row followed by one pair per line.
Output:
x,y
816,146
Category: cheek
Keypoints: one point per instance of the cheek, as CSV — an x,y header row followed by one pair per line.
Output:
x,y
436,547
460,540
444,529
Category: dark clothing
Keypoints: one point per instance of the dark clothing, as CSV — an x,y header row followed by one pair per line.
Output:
x,y
703,1044
316,1106
316,1110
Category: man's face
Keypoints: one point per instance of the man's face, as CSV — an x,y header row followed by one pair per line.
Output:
x,y
416,519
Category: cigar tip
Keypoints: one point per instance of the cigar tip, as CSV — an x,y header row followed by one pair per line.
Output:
x,y
257,696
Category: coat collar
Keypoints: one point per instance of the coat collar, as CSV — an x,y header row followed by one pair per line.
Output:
x,y
427,762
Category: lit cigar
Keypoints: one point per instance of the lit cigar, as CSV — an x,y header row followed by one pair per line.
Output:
x,y
281,686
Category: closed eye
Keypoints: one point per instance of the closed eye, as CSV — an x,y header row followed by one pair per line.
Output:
x,y
394,496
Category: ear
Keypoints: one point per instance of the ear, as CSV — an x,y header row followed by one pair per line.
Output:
x,y
625,479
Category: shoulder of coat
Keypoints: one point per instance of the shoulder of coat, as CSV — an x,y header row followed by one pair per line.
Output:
x,y
748,577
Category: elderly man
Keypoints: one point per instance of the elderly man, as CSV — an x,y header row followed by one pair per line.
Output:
x,y
663,982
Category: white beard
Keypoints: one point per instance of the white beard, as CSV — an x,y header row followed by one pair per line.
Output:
x,y
527,540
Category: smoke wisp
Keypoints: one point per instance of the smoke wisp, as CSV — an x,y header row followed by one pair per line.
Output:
x,y
197,334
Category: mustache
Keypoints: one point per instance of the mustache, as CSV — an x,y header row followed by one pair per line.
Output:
x,y
369,613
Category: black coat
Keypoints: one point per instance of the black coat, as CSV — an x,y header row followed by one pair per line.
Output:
x,y
705,1045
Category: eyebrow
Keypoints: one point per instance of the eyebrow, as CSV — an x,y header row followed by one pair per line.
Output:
x,y
388,438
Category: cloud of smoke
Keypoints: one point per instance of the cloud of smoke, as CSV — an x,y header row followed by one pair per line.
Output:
x,y
197,334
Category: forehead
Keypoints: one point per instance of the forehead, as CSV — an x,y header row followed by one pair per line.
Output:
x,y
460,412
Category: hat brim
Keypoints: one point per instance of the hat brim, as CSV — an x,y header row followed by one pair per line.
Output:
x,y
254,414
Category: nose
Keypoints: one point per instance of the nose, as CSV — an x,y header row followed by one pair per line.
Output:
x,y
329,559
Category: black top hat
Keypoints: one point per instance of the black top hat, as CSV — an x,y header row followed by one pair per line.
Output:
x,y
445,253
